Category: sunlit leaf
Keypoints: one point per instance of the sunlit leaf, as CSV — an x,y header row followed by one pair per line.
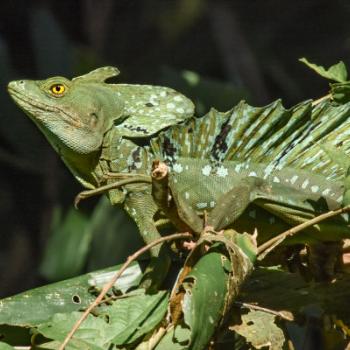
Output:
x,y
337,72
4,346
40,304
260,330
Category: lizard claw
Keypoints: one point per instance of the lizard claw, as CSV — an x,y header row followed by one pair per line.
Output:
x,y
80,196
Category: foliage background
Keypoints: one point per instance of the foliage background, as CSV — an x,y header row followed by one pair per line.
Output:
x,y
249,49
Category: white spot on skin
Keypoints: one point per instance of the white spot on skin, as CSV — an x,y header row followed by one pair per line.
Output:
x,y
178,168
340,199
206,170
153,101
314,188
180,110
162,94
304,184
238,168
326,192
187,195
276,179
212,204
170,105
201,205
294,179
252,174
222,171
252,214
178,98
268,170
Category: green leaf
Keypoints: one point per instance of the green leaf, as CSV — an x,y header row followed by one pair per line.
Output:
x,y
4,346
337,72
92,334
133,317
205,295
340,92
129,318
68,246
176,338
260,330
38,305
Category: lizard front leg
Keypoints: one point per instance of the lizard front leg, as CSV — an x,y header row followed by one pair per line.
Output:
x,y
141,207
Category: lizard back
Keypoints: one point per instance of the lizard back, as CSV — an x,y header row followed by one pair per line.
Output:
x,y
272,135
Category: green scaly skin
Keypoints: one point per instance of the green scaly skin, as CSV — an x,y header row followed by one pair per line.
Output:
x,y
99,129
87,124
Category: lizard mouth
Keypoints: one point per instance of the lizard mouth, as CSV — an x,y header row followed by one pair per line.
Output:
x,y
29,104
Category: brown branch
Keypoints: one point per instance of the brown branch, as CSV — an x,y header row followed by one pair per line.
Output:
x,y
266,247
112,282
282,314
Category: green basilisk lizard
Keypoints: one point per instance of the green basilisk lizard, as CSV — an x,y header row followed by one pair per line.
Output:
x,y
102,129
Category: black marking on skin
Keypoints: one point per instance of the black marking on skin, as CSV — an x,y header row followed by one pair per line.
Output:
x,y
168,147
149,104
220,144
299,140
136,156
136,128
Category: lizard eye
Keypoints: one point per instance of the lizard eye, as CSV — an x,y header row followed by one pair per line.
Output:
x,y
58,89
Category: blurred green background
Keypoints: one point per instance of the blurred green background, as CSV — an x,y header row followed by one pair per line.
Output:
x,y
216,52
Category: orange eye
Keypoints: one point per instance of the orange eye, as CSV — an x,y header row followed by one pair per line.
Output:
x,y
58,89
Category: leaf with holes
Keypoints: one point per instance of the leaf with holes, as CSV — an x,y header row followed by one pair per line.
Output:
x,y
206,293
125,321
260,330
65,296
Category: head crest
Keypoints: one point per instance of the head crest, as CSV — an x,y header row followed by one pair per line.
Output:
x,y
99,75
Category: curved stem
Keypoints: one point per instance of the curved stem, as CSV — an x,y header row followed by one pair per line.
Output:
x,y
266,247
112,282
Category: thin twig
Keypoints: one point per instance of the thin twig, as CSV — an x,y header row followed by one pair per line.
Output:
x,y
112,282
275,241
284,315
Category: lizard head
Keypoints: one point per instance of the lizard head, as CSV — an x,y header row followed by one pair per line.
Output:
x,y
73,114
